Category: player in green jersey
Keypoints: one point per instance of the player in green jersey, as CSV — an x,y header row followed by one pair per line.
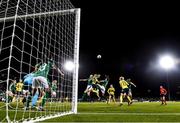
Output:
x,y
53,89
89,86
130,87
40,81
12,91
102,86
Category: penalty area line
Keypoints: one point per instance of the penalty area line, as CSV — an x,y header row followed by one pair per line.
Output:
x,y
117,113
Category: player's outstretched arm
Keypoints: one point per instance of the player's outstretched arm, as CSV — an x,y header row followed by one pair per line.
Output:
x,y
100,81
83,80
133,84
58,70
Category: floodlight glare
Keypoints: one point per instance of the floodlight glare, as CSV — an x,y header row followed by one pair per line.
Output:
x,y
69,66
167,62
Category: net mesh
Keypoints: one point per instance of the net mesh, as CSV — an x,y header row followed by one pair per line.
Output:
x,y
36,32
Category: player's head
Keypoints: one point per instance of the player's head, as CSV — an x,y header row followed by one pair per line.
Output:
x,y
98,75
54,81
91,76
161,86
107,77
128,80
36,67
121,78
20,80
14,81
111,85
95,75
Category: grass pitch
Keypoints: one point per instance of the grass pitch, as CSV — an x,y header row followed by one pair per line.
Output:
x,y
137,112
102,112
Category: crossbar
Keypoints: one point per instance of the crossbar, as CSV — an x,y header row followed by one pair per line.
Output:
x,y
61,12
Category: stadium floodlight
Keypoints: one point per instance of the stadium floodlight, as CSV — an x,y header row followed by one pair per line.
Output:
x,y
167,62
69,66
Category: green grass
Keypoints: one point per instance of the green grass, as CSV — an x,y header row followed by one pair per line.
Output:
x,y
138,112
18,113
102,112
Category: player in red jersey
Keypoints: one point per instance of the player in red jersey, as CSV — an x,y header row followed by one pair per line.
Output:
x,y
163,93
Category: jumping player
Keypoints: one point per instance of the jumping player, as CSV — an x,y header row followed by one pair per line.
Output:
x,y
102,86
40,81
124,91
130,87
89,86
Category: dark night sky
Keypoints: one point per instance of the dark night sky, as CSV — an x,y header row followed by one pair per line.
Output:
x,y
130,37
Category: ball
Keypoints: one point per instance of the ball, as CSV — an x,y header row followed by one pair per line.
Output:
x,y
98,56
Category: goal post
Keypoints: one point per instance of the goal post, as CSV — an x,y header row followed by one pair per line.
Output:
x,y
37,38
76,61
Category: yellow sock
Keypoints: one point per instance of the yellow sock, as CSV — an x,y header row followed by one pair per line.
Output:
x,y
14,99
129,98
121,98
114,99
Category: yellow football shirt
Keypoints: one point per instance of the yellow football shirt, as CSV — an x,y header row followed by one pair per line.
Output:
x,y
111,91
19,86
123,84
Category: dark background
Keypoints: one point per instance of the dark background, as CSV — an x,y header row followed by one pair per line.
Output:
x,y
130,37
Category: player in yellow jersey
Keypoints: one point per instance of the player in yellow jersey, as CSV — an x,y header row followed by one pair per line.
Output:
x,y
19,87
124,91
19,90
111,91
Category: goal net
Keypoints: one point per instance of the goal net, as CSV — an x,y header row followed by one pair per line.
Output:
x,y
37,38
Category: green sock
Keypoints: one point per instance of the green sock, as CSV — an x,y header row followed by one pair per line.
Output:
x,y
44,100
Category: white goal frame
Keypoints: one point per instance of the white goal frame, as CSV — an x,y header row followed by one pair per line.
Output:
x,y
76,58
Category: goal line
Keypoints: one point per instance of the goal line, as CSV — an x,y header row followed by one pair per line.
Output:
x,y
118,113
